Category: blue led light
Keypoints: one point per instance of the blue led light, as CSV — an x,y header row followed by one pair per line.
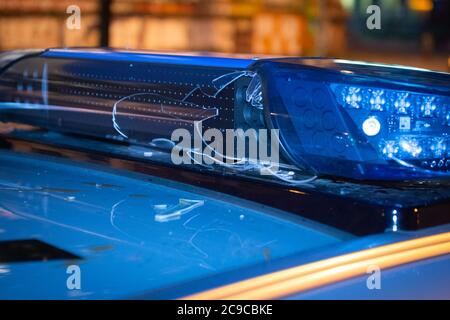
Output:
x,y
389,148
377,100
371,126
411,147
439,147
394,220
402,102
427,106
352,97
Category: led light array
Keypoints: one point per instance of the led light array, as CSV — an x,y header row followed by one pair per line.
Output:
x,y
402,125
434,149
395,102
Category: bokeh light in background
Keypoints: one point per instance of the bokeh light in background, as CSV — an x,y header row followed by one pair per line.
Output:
x,y
413,32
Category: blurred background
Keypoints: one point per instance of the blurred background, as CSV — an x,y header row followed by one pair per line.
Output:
x,y
413,32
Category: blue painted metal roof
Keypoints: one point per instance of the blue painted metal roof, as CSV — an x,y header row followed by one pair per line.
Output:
x,y
133,234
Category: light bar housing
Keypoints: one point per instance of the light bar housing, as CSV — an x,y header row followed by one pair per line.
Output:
x,y
334,117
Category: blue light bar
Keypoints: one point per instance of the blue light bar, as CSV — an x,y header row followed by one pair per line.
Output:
x,y
360,121
334,117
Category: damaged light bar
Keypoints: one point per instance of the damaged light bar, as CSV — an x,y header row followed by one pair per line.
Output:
x,y
331,117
